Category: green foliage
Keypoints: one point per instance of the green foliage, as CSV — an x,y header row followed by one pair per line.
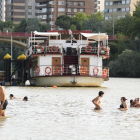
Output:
x,y
124,25
63,21
127,64
7,25
31,25
99,16
93,24
44,27
81,17
6,48
73,27
121,37
21,27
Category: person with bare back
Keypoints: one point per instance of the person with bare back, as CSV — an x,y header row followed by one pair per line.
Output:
x,y
97,101
3,101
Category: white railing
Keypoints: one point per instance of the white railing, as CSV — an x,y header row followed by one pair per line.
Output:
x,y
94,50
50,70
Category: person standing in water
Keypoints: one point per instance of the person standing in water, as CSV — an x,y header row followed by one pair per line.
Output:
x,y
3,101
123,105
97,101
137,103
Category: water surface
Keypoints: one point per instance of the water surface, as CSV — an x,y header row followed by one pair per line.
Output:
x,y
67,113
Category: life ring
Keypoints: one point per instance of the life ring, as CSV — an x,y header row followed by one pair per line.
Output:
x,y
88,47
46,70
41,47
81,71
95,71
53,50
37,70
108,49
60,71
104,72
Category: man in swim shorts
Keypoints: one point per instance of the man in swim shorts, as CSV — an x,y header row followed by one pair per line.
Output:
x,y
3,101
97,101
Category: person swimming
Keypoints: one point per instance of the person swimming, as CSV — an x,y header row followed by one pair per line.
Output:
x,y
132,103
11,96
123,105
25,98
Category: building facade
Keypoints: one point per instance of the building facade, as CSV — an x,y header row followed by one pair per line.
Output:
x,y
99,6
49,10
30,9
121,7
16,10
2,10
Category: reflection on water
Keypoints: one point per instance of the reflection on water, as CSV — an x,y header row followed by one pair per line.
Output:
x,y
68,113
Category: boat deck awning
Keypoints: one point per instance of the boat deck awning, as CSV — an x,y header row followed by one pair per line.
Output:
x,y
96,37
46,33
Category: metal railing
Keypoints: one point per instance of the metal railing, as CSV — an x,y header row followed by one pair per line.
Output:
x,y
37,49
94,50
70,70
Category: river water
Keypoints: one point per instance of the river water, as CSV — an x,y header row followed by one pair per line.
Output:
x,y
66,113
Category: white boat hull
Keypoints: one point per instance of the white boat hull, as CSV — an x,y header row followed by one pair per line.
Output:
x,y
67,81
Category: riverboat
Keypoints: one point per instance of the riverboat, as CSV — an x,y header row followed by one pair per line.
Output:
x,y
67,58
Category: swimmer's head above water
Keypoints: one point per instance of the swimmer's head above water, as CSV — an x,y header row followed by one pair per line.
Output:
x,y
101,93
123,99
25,98
11,96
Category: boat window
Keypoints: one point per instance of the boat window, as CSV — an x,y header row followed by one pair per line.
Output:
x,y
69,41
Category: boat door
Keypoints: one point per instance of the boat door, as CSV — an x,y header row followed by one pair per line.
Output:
x,y
84,70
56,62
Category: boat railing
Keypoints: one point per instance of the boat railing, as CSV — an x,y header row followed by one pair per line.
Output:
x,y
40,49
94,50
70,70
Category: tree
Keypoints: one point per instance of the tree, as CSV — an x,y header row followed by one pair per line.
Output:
x,y
136,20
80,16
44,27
32,25
1,25
63,21
100,16
124,25
73,27
21,27
127,64
93,24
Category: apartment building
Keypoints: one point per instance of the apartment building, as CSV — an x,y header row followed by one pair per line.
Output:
x,y
99,6
49,10
2,10
30,9
16,10
121,7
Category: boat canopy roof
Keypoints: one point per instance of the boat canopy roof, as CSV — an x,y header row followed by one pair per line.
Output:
x,y
95,36
46,33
